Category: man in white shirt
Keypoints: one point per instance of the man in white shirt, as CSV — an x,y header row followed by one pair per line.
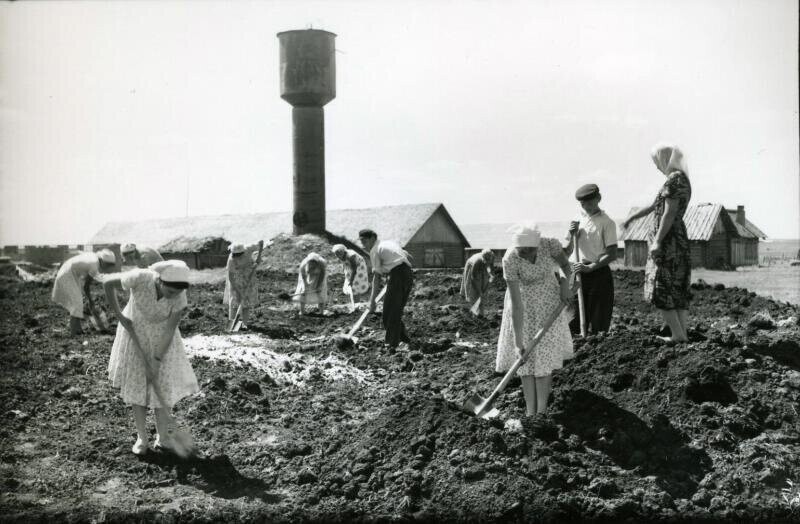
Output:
x,y
391,261
597,240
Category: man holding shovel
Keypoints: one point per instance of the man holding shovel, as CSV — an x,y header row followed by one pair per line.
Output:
x,y
390,260
596,236
241,291
476,280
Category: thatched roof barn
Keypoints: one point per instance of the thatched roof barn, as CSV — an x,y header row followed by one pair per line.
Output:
x,y
426,231
720,238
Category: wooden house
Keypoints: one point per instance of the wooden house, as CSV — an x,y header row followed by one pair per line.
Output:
x,y
719,238
426,231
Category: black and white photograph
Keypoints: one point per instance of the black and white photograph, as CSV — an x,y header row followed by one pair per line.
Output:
x,y
399,261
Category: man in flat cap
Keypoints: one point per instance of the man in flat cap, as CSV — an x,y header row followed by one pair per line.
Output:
x,y
596,235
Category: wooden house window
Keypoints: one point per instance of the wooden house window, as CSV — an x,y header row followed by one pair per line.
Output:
x,y
434,257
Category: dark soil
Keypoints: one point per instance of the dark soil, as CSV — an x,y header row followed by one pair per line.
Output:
x,y
637,430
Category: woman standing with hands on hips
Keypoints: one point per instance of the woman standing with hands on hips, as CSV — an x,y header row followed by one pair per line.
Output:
x,y
534,291
668,271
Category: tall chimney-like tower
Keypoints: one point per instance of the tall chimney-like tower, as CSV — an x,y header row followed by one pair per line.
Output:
x,y
308,82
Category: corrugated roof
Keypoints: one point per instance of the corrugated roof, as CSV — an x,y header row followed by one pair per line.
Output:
x,y
699,219
748,230
399,223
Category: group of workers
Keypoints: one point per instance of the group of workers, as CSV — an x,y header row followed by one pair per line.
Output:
x,y
147,337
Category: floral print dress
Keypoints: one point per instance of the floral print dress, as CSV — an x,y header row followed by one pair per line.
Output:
x,y
239,270
540,295
668,276
475,281
360,282
149,315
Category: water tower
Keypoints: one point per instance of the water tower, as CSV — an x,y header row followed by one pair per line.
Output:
x,y
308,82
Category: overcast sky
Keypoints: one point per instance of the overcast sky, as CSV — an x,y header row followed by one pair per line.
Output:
x,y
500,110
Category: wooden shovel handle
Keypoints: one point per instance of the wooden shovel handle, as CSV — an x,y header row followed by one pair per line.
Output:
x,y
521,360
579,280
365,313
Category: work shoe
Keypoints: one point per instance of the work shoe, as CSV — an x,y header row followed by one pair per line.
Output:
x,y
140,447
163,444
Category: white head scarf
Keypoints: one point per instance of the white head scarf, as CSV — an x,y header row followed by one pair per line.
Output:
x,y
525,236
339,248
107,256
172,271
669,158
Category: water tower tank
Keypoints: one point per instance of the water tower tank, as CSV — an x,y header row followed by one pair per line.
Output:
x,y
308,82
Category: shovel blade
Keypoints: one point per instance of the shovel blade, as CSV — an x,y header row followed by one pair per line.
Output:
x,y
476,405
236,327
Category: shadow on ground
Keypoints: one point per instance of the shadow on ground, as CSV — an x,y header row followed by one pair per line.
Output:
x,y
213,475
659,449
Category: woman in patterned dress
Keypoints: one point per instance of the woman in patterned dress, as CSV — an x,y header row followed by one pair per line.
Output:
x,y
668,270
312,283
157,303
240,288
356,279
534,291
476,279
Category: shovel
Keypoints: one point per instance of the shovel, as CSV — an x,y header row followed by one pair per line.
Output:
x,y
99,322
183,445
343,341
236,323
581,309
476,307
482,407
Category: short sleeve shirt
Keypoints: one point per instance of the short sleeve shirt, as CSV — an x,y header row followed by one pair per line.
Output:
x,y
387,255
595,234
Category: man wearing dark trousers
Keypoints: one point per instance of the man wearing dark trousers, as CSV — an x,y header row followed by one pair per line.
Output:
x,y
597,240
390,260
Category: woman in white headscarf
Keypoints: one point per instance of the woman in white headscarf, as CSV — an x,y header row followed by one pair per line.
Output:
x,y
72,283
356,279
476,279
157,304
668,271
312,283
241,288
534,291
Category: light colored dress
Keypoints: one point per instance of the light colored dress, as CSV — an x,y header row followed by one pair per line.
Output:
x,y
239,269
71,277
149,315
475,281
149,256
540,295
311,292
361,281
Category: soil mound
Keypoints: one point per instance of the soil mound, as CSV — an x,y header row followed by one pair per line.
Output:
x,y
637,430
